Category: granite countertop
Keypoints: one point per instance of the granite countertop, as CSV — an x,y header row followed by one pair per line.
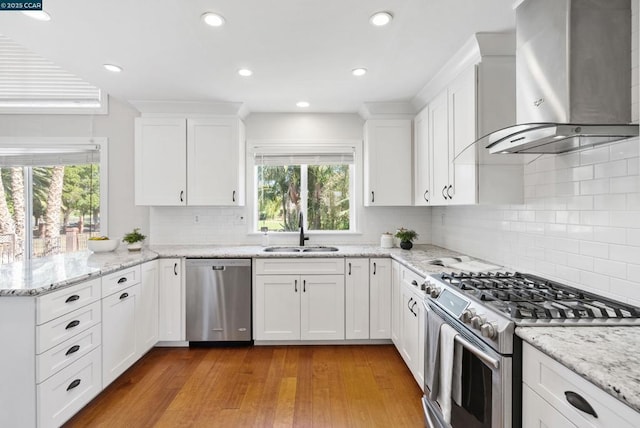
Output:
x,y
609,360
46,274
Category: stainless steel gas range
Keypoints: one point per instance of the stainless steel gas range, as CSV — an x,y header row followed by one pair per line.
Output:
x,y
473,372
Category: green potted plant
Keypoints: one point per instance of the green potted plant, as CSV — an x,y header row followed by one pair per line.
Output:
x,y
406,236
134,240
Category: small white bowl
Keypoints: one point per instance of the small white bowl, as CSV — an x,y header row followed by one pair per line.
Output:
x,y
102,246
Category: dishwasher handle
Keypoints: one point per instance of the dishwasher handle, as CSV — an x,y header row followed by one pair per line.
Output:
x,y
218,267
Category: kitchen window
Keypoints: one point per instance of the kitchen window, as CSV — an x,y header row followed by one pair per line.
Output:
x,y
51,197
317,182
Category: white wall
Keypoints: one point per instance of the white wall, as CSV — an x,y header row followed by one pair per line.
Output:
x,y
230,226
117,127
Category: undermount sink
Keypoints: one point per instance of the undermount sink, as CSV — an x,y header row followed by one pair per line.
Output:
x,y
300,249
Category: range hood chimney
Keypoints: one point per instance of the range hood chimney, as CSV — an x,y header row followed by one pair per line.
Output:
x,y
573,77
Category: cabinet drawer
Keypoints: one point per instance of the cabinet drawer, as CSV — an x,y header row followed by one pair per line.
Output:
x,y
316,266
120,280
551,380
65,327
409,276
61,302
66,392
59,357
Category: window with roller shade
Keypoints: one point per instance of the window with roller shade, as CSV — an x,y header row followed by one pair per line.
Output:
x,y
317,182
50,198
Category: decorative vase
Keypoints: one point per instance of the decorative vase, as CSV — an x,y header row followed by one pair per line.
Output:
x,y
406,245
136,246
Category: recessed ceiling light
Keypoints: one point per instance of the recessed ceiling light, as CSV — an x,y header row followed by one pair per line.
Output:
x,y
359,71
213,19
112,67
245,72
381,18
40,15
302,104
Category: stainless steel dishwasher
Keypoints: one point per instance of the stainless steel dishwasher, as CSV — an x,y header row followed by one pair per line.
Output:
x,y
218,299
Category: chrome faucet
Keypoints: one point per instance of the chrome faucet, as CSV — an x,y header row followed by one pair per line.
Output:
x,y
302,237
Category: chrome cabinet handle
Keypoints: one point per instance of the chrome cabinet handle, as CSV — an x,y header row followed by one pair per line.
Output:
x,y
349,268
374,268
295,285
579,402
233,196
426,192
373,197
182,196
443,195
304,285
449,188
175,269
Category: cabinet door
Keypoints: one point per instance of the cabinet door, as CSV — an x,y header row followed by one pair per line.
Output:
x,y
160,161
387,163
171,322
419,367
410,328
322,307
439,141
277,307
148,307
215,162
537,413
380,298
396,306
119,324
422,159
462,134
357,299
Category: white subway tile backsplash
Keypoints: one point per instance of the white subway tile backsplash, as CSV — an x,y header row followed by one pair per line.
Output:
x,y
570,217
610,169
594,218
625,149
624,253
594,249
612,235
633,271
595,155
580,232
626,289
595,281
595,187
582,173
630,219
580,262
633,238
610,268
616,202
629,184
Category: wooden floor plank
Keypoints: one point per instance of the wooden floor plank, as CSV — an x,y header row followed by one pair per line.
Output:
x,y
261,386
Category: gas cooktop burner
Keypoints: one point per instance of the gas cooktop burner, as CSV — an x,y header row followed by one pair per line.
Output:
x,y
528,297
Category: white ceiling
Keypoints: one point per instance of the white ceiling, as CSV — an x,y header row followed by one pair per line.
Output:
x,y
297,49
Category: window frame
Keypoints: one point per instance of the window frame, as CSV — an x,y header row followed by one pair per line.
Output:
x,y
256,146
26,142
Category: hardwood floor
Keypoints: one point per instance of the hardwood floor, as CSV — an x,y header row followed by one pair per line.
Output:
x,y
261,386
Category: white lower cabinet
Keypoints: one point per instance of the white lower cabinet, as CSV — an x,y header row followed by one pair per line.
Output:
x,y
120,314
411,314
356,296
299,307
147,323
547,388
380,298
172,317
299,299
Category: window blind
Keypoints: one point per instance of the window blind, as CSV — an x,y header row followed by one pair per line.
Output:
x,y
28,80
49,156
279,156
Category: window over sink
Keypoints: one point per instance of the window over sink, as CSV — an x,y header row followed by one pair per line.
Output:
x,y
315,180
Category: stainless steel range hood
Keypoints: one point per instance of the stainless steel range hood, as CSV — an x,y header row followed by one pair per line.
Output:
x,y
573,77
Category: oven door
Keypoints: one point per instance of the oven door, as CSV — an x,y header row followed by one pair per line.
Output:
x,y
481,391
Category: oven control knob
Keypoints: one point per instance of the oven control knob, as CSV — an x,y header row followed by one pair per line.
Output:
x,y
477,321
434,292
489,330
467,315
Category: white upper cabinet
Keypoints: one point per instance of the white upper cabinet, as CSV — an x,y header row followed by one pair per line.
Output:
x,y
472,95
198,162
423,192
215,162
160,161
388,179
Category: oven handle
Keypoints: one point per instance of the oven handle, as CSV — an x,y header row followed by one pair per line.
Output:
x,y
486,358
